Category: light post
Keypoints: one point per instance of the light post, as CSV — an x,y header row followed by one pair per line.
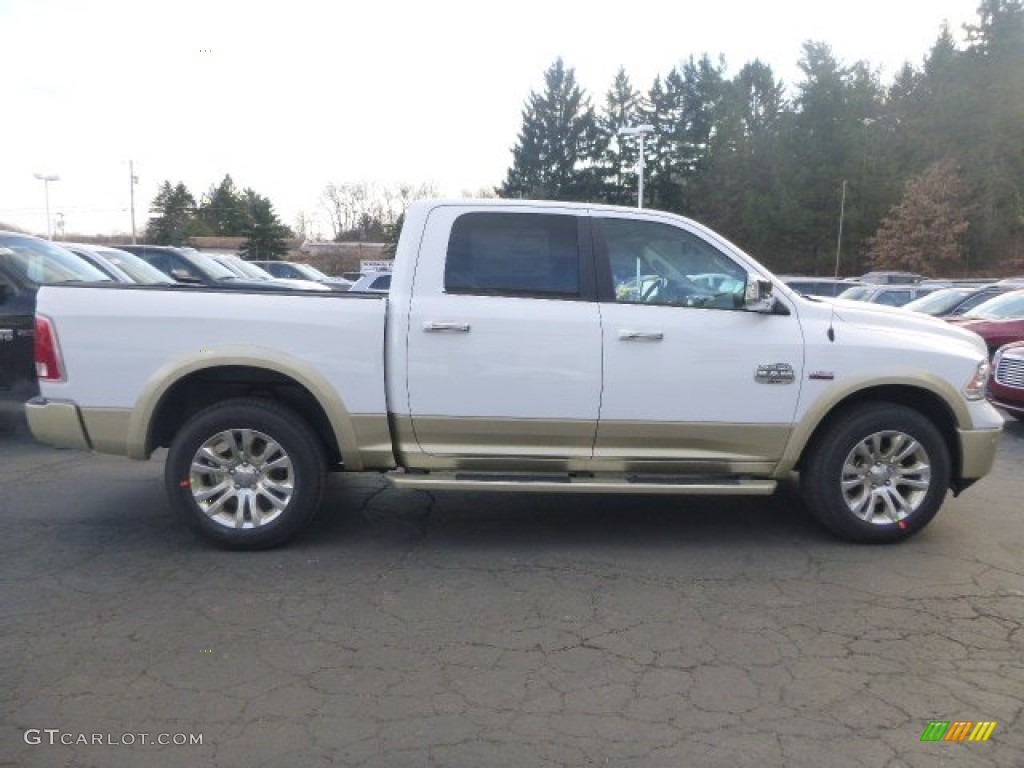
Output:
x,y
641,131
133,180
46,179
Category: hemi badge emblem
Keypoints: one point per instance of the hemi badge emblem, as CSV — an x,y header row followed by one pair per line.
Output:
x,y
774,373
821,375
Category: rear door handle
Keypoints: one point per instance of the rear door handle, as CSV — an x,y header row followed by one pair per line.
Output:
x,y
641,335
431,327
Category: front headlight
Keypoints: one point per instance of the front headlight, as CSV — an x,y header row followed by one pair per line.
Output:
x,y
975,388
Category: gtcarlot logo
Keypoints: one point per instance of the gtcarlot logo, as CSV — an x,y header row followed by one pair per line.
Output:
x,y
958,730
55,736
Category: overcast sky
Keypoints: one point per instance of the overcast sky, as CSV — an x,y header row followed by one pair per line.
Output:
x,y
290,96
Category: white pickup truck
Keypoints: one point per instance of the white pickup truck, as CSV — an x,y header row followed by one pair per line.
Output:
x,y
524,346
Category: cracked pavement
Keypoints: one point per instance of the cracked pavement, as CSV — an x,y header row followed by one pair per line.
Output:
x,y
414,629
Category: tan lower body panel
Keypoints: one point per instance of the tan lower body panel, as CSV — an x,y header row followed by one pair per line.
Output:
x,y
446,482
56,423
978,451
108,429
536,445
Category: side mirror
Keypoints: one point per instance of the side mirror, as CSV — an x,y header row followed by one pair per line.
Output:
x,y
183,276
757,296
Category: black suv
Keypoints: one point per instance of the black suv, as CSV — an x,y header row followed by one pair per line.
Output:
x,y
27,262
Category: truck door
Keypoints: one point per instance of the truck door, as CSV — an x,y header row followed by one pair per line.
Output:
x,y
690,377
504,337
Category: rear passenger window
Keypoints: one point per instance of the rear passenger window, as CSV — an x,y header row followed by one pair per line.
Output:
x,y
513,254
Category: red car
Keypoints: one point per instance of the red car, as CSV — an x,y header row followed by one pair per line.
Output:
x,y
1006,384
999,320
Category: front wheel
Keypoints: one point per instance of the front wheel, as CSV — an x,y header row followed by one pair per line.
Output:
x,y
246,473
879,473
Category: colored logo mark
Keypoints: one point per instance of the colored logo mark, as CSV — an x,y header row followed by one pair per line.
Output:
x,y
958,730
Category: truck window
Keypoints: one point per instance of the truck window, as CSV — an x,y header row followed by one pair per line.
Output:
x,y
655,263
513,254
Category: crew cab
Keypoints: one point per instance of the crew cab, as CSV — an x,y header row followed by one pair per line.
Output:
x,y
523,346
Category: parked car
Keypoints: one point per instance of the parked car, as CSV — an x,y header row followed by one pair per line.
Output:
x,y
999,321
1006,384
950,302
504,360
249,271
187,265
890,295
299,271
26,263
891,277
372,282
119,265
819,286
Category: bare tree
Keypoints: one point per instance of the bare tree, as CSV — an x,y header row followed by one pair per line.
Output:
x,y
366,209
924,231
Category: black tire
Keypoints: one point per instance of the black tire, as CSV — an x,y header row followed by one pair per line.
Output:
x,y
895,497
267,463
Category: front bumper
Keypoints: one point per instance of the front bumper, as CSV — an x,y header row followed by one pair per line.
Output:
x,y
57,423
977,451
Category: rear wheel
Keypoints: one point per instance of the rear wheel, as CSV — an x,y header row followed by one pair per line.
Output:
x,y
878,474
246,473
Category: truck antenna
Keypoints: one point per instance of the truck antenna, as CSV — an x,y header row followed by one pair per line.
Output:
x,y
839,245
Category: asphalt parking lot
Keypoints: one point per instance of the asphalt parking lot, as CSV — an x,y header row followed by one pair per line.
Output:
x,y
405,629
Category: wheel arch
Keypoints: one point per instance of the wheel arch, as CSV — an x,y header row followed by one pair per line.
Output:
x,y
182,388
934,401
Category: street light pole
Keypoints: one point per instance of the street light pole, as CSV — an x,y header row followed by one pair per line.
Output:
x,y
46,179
641,131
132,182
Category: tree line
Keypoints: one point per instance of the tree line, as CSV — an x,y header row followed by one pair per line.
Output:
x,y
932,164
176,216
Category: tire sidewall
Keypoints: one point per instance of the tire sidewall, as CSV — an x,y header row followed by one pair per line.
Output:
x,y
823,472
278,423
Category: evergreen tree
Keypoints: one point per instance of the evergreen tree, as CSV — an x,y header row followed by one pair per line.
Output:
x,y
665,109
993,159
556,155
265,235
223,209
827,143
171,212
739,190
617,160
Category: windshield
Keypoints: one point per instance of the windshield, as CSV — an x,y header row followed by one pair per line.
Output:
x,y
137,269
40,262
1009,305
939,302
211,267
857,293
247,269
308,270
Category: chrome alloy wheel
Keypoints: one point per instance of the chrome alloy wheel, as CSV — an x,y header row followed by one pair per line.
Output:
x,y
886,477
241,478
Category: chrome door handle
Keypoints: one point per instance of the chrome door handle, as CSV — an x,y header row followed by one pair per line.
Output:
x,y
430,327
641,335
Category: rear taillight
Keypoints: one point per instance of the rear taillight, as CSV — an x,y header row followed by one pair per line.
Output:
x,y
49,366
